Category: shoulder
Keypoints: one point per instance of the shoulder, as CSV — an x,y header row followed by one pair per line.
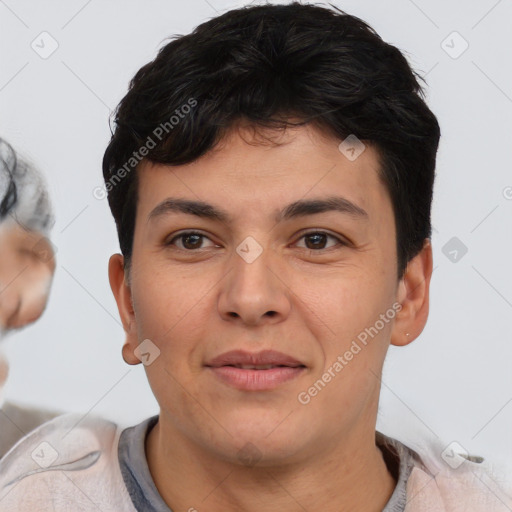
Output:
x,y
446,477
17,419
70,461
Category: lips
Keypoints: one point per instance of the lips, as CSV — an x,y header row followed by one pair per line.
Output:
x,y
263,360
262,371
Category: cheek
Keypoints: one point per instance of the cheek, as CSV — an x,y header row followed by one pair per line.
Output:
x,y
342,304
173,318
355,316
158,305
11,264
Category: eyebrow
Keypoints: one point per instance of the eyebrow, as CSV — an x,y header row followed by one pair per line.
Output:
x,y
296,209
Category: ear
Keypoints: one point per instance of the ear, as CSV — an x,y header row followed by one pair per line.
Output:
x,y
122,293
413,295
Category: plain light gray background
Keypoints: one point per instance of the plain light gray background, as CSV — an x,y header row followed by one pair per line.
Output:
x,y
454,382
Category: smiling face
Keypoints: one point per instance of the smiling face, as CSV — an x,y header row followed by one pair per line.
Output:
x,y
293,250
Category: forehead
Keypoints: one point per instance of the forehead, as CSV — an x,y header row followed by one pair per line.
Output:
x,y
268,173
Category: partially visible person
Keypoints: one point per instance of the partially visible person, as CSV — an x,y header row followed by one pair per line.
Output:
x,y
27,266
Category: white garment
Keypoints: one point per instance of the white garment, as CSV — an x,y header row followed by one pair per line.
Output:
x,y
68,464
71,464
434,486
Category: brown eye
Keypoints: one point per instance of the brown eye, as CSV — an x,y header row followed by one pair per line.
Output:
x,y
190,240
316,240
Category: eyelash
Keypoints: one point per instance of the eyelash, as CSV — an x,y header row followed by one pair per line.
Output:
x,y
187,233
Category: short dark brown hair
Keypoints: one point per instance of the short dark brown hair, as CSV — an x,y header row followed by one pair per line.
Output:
x,y
264,65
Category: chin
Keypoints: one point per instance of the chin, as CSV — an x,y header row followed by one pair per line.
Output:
x,y
270,443
257,451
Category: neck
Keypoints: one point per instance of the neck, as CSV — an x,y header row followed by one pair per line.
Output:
x,y
351,476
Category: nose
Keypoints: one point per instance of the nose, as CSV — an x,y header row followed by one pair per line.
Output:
x,y
253,292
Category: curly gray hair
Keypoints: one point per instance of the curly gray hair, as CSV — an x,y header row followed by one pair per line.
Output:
x,y
23,192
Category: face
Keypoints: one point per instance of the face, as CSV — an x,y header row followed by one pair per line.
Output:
x,y
256,319
26,271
